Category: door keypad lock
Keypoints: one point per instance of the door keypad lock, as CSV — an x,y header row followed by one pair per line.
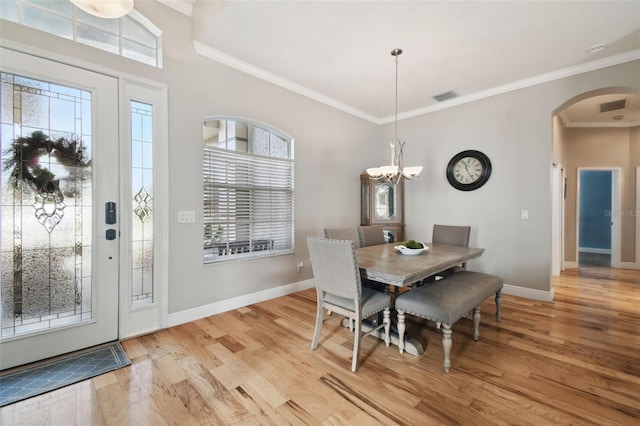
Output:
x,y
110,213
110,218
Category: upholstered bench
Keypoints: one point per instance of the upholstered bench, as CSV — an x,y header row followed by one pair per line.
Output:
x,y
446,301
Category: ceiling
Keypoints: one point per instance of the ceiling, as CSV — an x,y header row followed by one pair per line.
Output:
x,y
339,52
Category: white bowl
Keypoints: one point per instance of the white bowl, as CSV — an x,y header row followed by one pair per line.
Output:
x,y
410,251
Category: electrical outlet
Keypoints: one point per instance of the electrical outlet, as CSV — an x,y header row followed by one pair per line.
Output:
x,y
524,214
300,266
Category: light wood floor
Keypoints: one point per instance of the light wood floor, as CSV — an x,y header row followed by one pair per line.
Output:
x,y
575,361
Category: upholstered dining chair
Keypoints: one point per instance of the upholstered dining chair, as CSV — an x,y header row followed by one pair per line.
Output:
x,y
370,235
342,234
339,290
453,236
361,239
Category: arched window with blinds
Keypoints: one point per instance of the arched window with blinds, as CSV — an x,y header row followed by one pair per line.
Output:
x,y
248,176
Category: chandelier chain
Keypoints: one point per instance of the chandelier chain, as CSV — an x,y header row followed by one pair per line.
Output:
x,y
396,53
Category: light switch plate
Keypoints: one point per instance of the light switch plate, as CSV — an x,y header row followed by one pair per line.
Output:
x,y
186,216
524,214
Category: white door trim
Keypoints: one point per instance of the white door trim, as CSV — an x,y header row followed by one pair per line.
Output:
x,y
557,219
146,319
637,215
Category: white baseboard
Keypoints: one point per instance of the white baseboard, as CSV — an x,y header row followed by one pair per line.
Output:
x,y
194,314
621,265
528,293
182,317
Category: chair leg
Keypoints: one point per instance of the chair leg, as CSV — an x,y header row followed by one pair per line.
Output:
x,y
498,304
401,329
476,323
319,320
356,345
387,326
446,346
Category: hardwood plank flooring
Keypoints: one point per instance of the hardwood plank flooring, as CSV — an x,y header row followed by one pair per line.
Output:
x,y
574,361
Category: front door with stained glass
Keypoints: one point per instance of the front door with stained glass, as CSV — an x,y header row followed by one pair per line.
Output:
x,y
59,136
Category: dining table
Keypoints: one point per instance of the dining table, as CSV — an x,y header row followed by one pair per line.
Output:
x,y
386,264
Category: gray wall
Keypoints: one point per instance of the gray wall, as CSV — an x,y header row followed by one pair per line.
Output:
x,y
515,131
333,148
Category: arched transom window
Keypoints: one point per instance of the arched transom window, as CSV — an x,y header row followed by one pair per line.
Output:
x,y
132,36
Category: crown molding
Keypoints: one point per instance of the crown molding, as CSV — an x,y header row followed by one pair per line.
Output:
x,y
245,67
604,124
522,84
228,60
183,7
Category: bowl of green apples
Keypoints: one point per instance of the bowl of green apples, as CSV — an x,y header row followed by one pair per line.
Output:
x,y
411,247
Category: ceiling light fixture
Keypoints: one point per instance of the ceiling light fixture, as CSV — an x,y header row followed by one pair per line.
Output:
x,y
396,170
109,9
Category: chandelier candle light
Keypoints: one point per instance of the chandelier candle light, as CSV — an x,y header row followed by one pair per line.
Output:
x,y
396,171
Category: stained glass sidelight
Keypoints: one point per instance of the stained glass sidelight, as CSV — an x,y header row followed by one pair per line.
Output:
x,y
45,205
142,204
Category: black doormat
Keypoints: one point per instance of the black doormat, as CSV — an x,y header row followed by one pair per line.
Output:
x,y
594,259
23,383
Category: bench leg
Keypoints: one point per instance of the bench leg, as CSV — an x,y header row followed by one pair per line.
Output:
x,y
401,329
476,323
498,304
446,346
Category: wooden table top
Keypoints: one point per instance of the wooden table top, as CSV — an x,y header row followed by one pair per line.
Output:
x,y
385,264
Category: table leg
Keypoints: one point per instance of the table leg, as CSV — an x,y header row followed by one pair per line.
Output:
x,y
411,345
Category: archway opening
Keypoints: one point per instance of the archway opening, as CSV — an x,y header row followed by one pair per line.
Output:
x,y
597,129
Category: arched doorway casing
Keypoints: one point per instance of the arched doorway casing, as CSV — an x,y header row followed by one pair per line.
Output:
x,y
597,148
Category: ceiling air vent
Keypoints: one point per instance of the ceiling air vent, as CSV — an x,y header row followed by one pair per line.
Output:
x,y
445,96
613,106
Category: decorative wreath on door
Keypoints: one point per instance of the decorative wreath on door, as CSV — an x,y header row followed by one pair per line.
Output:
x,y
30,161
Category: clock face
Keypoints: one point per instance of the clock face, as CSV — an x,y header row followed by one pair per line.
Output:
x,y
468,170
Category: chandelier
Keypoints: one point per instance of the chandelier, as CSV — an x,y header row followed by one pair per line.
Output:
x,y
105,8
394,172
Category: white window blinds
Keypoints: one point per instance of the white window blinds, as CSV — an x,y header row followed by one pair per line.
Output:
x,y
248,204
